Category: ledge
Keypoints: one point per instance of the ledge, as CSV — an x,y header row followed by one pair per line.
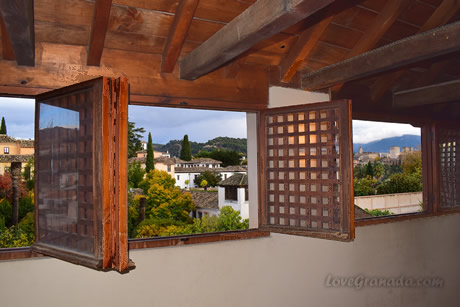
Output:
x,y
402,217
197,238
26,252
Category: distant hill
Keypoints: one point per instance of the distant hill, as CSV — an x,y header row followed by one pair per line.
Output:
x,y
383,145
174,146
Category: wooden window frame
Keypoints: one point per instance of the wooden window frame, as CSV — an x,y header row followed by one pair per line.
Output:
x,y
27,252
430,178
99,200
345,207
133,243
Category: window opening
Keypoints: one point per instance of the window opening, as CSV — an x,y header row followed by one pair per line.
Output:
x,y
16,172
387,162
197,159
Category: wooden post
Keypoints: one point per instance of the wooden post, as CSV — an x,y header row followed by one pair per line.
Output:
x,y
142,202
15,181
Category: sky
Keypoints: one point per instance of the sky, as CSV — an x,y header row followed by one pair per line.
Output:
x,y
200,125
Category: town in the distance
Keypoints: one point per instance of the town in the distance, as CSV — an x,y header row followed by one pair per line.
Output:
x,y
185,187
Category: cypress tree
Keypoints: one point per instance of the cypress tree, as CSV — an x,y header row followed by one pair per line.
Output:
x,y
149,163
186,150
3,126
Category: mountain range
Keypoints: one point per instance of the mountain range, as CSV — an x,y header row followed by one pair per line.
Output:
x,y
383,145
239,145
228,143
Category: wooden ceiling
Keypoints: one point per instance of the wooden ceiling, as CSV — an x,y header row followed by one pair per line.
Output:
x,y
149,41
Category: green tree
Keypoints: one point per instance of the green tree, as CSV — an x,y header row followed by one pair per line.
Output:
x,y
227,157
378,170
164,199
135,174
204,184
359,171
412,163
401,183
230,219
28,175
186,151
3,127
149,162
369,169
212,178
134,139
365,186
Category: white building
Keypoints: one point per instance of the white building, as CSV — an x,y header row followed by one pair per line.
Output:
x,y
234,192
185,176
206,203
198,162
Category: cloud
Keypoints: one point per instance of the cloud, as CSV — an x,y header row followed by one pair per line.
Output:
x,y
167,124
367,131
172,123
19,114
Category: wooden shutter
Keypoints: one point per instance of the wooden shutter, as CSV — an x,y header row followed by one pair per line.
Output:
x,y
81,174
447,140
306,172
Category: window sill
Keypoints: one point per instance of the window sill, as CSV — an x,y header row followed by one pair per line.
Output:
x,y
197,238
402,217
26,252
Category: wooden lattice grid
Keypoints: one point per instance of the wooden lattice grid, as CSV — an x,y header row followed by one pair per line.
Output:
x,y
304,178
449,164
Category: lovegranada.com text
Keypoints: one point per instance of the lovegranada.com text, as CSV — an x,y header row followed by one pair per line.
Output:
x,y
363,281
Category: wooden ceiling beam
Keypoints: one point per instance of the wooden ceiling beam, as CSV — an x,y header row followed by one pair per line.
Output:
x,y
7,49
179,29
98,31
261,20
413,49
432,94
442,15
377,29
302,48
18,21
428,77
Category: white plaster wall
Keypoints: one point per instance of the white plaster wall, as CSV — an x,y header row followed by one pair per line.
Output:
x,y
183,177
398,203
251,126
281,97
281,270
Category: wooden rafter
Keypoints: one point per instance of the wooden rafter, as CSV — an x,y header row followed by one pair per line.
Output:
x,y
445,11
263,19
7,49
429,77
377,29
302,48
177,34
413,49
432,94
18,21
98,31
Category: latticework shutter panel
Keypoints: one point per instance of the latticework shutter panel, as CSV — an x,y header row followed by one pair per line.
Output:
x,y
307,185
449,166
81,180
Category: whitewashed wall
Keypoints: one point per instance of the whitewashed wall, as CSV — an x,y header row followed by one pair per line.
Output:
x,y
280,270
277,271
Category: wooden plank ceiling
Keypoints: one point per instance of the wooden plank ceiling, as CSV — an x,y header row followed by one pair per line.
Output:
x,y
147,40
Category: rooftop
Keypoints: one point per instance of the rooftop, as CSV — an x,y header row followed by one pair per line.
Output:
x,y
15,158
237,180
199,160
205,199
